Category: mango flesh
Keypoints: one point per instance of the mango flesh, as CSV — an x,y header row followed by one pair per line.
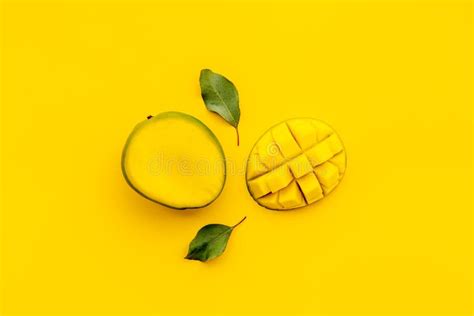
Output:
x,y
175,160
294,164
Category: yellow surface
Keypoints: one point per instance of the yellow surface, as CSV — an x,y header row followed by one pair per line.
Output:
x,y
174,159
393,78
295,163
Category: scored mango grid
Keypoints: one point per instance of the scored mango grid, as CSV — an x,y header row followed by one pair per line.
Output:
x,y
303,173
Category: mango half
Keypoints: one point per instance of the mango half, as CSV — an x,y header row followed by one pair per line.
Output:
x,y
295,163
175,160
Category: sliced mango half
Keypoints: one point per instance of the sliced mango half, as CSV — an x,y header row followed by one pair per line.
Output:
x,y
175,160
308,160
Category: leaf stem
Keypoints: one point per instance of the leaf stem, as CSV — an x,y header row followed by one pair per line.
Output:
x,y
238,137
243,219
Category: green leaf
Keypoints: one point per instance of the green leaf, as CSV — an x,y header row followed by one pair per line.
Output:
x,y
210,241
220,96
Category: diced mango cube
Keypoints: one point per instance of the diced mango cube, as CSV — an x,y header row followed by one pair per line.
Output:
x,y
278,178
270,201
319,153
323,130
254,167
291,197
334,143
287,144
269,152
327,174
327,190
300,166
304,132
259,186
340,162
311,188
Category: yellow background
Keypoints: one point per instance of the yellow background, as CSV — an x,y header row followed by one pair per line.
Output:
x,y
394,78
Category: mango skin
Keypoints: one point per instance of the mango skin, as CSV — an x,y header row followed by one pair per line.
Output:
x,y
294,164
191,120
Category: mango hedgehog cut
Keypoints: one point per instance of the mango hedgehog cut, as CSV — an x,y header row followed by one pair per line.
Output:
x,y
296,163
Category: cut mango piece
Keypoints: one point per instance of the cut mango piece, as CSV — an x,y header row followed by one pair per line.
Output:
x,y
257,169
270,201
285,141
300,166
278,178
323,130
259,186
291,197
327,190
269,153
304,160
319,153
304,132
311,188
334,143
340,162
327,174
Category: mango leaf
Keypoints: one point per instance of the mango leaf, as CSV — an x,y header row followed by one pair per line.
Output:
x,y
210,241
220,96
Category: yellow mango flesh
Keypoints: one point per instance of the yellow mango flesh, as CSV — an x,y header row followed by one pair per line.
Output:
x,y
175,160
295,163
